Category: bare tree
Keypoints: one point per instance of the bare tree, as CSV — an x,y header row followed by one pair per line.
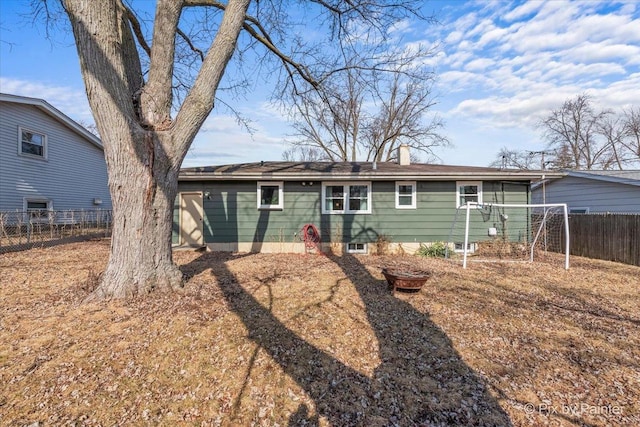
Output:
x,y
304,154
152,84
611,129
631,135
365,113
91,127
326,121
581,138
402,119
572,130
515,159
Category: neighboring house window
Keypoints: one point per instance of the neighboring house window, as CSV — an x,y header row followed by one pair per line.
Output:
x,y
578,210
38,209
340,198
405,195
32,143
270,195
468,192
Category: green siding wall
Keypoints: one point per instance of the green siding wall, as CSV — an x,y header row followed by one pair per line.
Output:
x,y
231,214
515,228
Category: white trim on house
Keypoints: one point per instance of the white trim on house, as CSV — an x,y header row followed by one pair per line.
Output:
x,y
54,112
345,197
280,200
478,195
36,199
357,248
413,204
45,147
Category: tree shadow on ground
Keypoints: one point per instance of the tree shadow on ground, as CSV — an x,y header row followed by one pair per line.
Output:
x,y
421,379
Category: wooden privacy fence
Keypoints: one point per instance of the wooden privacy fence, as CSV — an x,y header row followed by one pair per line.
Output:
x,y
612,236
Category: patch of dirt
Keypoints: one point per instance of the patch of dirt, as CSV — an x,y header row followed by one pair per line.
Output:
x,y
283,339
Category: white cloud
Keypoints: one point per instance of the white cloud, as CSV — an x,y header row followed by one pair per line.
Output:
x,y
454,37
71,101
526,9
479,64
504,68
597,52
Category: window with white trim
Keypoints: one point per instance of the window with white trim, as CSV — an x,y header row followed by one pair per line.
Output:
x,y
357,248
38,209
468,192
459,247
270,195
405,194
339,198
32,144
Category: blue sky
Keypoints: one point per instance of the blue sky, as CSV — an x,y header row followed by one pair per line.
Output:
x,y
501,66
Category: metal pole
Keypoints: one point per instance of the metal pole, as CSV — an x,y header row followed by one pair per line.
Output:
x,y
466,237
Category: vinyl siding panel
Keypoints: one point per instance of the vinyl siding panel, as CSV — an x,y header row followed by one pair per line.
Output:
x,y
598,196
231,214
73,174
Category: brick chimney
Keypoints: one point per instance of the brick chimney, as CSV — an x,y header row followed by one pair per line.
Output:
x,y
403,155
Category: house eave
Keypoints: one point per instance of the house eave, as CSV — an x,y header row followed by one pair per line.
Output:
x,y
55,113
606,178
453,176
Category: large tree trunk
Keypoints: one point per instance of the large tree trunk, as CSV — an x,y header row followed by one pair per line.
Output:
x,y
142,194
144,147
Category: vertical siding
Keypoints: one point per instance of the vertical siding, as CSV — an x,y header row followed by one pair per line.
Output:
x,y
598,196
613,237
73,175
231,214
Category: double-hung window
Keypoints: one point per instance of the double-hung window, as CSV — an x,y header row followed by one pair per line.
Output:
x,y
32,143
339,198
468,192
270,196
405,195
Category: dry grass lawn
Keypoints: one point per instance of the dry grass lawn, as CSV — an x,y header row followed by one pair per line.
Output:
x,y
319,340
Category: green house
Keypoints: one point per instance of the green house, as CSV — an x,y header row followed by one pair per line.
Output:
x,y
353,206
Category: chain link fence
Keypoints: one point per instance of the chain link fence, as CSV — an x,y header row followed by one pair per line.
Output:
x,y
21,230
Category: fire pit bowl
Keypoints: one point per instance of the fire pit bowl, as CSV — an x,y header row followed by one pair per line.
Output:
x,y
405,278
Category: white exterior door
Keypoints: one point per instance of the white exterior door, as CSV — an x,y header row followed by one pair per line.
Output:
x,y
191,214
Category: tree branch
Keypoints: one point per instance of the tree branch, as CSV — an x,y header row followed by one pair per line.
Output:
x,y
135,26
191,45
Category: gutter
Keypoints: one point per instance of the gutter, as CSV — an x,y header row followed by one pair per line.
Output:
x,y
368,176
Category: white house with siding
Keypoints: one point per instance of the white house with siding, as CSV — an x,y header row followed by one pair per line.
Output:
x,y
593,191
47,160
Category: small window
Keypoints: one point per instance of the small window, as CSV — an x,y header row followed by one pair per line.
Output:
x,y
357,248
578,210
32,143
405,195
38,209
338,198
270,195
459,247
468,192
